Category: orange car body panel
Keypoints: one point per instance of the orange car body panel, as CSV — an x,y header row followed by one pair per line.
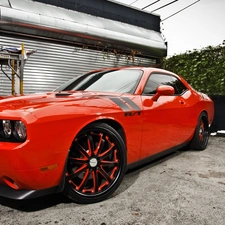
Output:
x,y
52,123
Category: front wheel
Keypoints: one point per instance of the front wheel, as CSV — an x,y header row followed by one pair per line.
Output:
x,y
201,135
96,164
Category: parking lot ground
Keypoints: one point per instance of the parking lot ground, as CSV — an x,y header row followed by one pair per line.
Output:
x,y
186,187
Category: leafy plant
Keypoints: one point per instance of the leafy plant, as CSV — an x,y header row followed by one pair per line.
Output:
x,y
204,69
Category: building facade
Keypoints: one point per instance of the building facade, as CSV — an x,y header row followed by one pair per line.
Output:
x,y
71,40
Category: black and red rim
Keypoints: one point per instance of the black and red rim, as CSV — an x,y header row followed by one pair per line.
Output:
x,y
203,132
93,163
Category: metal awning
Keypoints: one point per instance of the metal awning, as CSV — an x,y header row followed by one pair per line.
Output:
x,y
42,20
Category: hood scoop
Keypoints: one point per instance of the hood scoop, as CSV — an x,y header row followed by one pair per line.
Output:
x,y
62,94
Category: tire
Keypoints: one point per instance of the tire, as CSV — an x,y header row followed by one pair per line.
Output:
x,y
96,164
201,135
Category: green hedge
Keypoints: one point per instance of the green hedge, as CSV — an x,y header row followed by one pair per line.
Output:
x,y
204,69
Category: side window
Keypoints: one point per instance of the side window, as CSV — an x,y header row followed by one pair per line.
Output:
x,y
151,85
156,80
178,86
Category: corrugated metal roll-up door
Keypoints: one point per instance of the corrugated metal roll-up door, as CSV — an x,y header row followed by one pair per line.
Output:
x,y
54,63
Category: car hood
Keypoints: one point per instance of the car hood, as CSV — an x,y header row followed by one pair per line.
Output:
x,y
37,101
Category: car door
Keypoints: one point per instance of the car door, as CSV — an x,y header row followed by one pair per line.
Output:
x,y
164,120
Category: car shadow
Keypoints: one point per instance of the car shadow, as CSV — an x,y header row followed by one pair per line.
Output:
x,y
48,201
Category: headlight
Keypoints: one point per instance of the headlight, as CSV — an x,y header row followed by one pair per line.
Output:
x,y
20,131
6,128
12,131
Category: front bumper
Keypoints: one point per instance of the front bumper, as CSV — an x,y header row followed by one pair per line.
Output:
x,y
29,171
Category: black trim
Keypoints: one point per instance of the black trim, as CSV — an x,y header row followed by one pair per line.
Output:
x,y
8,192
155,157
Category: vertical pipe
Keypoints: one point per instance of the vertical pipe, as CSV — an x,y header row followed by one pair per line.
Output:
x,y
21,69
13,77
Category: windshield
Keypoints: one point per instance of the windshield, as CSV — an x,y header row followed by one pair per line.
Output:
x,y
121,81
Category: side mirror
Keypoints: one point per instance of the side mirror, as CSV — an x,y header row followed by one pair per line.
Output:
x,y
163,90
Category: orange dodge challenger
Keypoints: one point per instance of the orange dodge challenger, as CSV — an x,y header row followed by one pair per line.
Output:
x,y
81,138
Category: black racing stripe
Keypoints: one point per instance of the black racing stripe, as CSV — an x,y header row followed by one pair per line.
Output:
x,y
121,104
131,103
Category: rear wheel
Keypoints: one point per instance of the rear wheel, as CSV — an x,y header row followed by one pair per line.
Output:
x,y
201,136
96,164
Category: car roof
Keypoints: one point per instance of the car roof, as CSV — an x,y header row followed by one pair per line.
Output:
x,y
144,68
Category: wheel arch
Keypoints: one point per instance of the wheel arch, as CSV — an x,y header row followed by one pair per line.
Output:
x,y
196,120
204,111
114,124
201,135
